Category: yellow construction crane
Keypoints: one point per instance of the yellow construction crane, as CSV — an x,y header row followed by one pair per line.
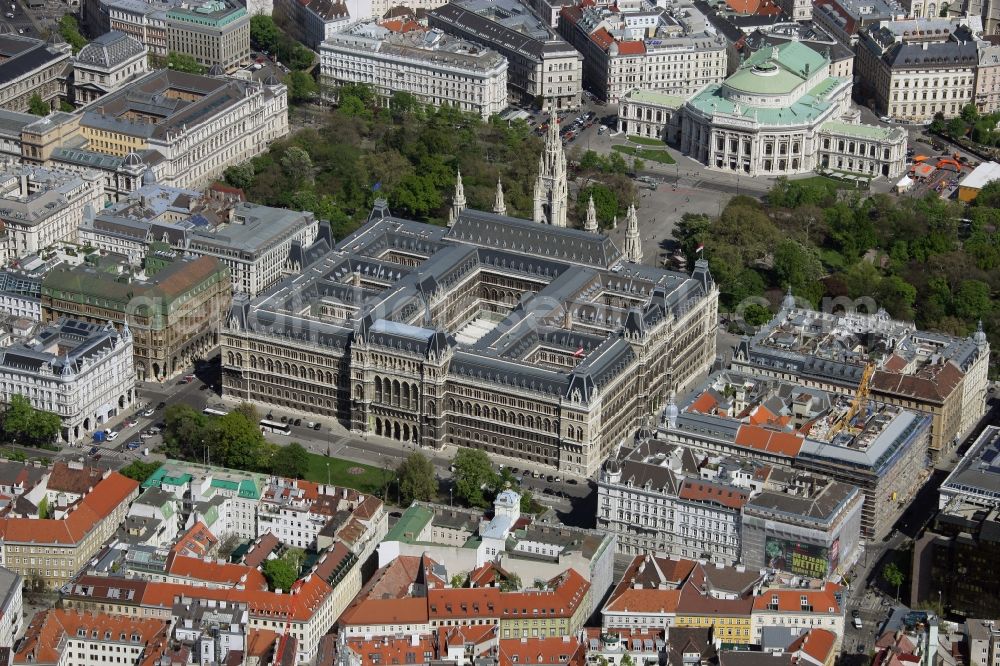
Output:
x,y
859,400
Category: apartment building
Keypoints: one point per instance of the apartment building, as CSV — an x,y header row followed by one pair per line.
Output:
x,y
70,638
911,70
941,375
649,50
80,371
50,551
312,22
543,70
41,206
216,33
437,68
173,313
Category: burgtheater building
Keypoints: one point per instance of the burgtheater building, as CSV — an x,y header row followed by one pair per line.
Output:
x,y
780,113
522,339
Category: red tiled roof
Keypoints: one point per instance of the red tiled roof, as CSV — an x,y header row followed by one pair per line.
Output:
x,y
45,638
932,383
95,506
552,651
216,572
790,600
196,542
816,643
570,589
602,38
631,47
390,650
771,441
705,403
655,594
705,491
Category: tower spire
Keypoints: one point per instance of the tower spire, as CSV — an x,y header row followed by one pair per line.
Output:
x,y
591,223
499,207
633,248
551,189
458,201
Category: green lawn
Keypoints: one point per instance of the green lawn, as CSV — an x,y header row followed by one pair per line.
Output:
x,y
645,141
372,480
649,154
818,180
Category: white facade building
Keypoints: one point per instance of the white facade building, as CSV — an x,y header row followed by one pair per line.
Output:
x,y
82,372
653,500
312,22
911,70
106,64
11,604
41,206
781,113
650,50
438,69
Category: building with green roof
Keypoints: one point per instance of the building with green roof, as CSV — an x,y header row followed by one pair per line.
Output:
x,y
780,113
216,33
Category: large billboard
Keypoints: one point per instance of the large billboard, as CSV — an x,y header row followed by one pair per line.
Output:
x,y
806,559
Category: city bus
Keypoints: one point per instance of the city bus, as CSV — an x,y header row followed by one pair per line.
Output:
x,y
214,411
275,427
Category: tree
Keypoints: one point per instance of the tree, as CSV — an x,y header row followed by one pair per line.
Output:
x,y
264,33
140,470
512,583
291,462
228,545
473,474
416,479
69,29
280,574
796,265
458,580
605,203
43,507
297,165
957,127
972,301
892,574
248,411
182,62
755,314
240,175
38,106
301,86
627,660
17,419
45,427
403,104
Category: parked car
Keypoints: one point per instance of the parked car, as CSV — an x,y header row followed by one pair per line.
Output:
x,y
284,419
317,426
160,405
298,422
146,434
149,412
134,444
112,435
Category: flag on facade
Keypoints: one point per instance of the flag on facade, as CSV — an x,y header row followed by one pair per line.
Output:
x,y
578,353
701,246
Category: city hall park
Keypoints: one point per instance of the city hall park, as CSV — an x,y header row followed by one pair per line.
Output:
x,y
365,478
652,150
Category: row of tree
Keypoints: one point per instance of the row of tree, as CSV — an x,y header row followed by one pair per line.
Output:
x,y
233,440
827,242
23,424
475,482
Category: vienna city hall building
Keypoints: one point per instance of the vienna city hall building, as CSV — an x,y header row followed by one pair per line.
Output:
x,y
522,339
